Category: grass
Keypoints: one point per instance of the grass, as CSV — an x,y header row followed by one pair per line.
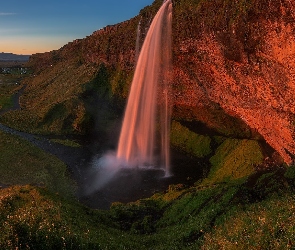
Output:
x,y
5,101
32,218
265,225
7,89
219,216
22,163
234,208
52,108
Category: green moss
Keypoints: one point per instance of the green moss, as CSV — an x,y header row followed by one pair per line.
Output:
x,y
202,217
235,159
186,219
189,142
219,139
138,217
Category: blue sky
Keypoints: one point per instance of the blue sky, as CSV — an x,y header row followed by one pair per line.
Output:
x,y
33,26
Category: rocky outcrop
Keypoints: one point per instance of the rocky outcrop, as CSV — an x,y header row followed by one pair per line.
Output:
x,y
243,64
234,66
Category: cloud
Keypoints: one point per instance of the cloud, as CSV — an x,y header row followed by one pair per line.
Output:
x,y
7,13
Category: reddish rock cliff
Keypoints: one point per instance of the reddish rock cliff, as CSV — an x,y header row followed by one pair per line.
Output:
x,y
234,65
246,65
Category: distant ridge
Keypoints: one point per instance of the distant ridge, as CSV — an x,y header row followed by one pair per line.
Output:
x,y
13,57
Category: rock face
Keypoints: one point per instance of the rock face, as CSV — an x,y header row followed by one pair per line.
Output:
x,y
234,65
246,65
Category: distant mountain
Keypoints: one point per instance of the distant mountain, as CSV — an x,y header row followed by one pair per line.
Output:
x,y
13,57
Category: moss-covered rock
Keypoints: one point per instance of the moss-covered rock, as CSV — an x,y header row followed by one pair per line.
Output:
x,y
235,159
189,141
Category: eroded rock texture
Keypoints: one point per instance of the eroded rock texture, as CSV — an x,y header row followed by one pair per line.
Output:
x,y
245,66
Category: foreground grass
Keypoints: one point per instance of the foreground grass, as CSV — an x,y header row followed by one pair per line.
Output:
x,y
220,216
22,163
249,211
265,225
245,214
33,218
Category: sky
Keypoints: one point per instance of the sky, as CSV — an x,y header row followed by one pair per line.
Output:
x,y
36,26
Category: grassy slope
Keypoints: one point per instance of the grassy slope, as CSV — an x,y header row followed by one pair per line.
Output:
x,y
51,108
229,216
22,163
264,225
7,89
32,218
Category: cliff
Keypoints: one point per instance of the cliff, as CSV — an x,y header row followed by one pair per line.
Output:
x,y
241,60
233,67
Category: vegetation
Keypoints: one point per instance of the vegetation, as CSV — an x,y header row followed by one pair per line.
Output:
x,y
6,99
8,87
231,216
264,225
235,159
190,142
32,218
22,163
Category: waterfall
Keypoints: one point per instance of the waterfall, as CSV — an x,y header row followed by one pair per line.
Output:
x,y
149,105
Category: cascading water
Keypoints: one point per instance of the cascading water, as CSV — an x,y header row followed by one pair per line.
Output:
x,y
150,89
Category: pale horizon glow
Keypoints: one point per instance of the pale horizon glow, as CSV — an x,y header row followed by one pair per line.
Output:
x,y
37,26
